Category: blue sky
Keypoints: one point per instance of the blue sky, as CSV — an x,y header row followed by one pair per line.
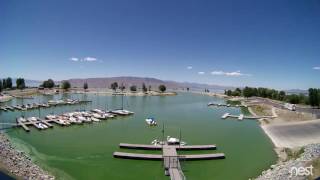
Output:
x,y
271,43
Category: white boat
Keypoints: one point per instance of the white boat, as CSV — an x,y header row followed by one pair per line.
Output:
x,y
50,117
120,112
72,120
95,119
175,141
128,112
39,125
97,111
32,119
241,117
21,119
98,116
225,115
151,122
42,126
109,115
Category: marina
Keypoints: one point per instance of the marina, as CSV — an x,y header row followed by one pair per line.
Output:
x,y
91,144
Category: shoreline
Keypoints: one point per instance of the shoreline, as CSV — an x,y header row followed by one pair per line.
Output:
x,y
17,164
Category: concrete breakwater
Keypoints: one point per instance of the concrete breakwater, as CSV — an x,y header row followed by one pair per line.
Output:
x,y
18,163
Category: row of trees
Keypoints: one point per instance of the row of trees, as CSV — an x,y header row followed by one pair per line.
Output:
x,y
312,99
134,88
7,84
258,92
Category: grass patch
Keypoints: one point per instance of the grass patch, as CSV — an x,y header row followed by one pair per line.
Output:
x,y
233,102
293,154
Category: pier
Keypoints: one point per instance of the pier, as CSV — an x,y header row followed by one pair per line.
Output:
x,y
226,105
25,107
241,116
169,156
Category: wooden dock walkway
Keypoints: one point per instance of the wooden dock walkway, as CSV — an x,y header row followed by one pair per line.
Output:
x,y
170,157
226,105
228,115
25,127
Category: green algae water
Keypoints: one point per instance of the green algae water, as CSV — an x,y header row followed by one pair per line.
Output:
x,y
85,151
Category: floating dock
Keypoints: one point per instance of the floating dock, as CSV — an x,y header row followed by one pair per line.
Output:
x,y
241,116
226,105
169,156
25,107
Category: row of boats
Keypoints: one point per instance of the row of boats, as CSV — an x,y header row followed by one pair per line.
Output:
x,y
77,117
169,141
25,107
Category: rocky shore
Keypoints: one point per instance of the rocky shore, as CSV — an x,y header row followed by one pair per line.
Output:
x,y
18,163
282,170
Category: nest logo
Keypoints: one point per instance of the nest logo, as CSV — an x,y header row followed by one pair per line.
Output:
x,y
301,171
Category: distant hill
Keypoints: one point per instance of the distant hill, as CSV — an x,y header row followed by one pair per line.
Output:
x,y
297,91
153,82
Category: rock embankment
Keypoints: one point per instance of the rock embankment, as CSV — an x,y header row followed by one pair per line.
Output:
x,y
18,163
286,170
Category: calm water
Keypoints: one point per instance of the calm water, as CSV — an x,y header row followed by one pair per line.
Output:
x,y
85,151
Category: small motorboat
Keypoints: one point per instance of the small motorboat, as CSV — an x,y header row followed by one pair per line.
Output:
x,y
21,119
151,122
32,119
175,141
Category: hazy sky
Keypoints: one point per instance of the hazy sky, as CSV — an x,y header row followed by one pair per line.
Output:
x,y
272,43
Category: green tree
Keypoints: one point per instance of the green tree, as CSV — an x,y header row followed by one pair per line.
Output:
x,y
229,92
247,92
150,88
9,83
1,86
20,83
4,84
48,84
122,87
85,86
282,95
65,85
162,88
314,97
133,88
188,89
114,86
144,88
